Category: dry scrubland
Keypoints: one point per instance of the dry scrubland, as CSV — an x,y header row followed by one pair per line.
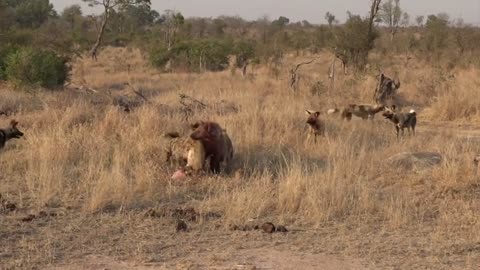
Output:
x,y
99,169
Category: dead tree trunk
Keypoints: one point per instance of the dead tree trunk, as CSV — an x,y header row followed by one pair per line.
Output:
x,y
98,42
373,13
244,68
294,78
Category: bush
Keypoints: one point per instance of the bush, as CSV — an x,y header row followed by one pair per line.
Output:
x,y
194,55
354,41
5,52
29,67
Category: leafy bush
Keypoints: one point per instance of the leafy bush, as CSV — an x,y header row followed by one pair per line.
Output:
x,y
5,51
244,51
30,67
194,55
354,41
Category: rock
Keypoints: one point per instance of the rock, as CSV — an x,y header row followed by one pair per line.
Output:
x,y
415,160
268,227
181,226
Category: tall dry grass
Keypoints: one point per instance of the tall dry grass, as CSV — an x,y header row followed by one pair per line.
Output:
x,y
81,151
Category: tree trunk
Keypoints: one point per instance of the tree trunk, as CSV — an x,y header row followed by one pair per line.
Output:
x,y
97,44
244,68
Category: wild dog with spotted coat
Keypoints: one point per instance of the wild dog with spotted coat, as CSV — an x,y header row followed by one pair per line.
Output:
x,y
11,132
316,127
401,120
364,111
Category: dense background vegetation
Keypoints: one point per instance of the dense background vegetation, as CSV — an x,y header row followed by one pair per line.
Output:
x,y
172,42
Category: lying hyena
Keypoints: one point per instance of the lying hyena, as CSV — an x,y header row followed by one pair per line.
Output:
x,y
316,127
364,111
401,120
185,152
11,132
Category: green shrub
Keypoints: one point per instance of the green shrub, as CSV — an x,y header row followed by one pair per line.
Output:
x,y
30,67
193,55
5,51
159,57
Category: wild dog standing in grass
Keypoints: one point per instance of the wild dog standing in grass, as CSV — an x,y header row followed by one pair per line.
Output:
x,y
316,127
185,152
218,146
401,120
11,132
363,111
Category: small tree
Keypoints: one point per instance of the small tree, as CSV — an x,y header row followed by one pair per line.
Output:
x,y
405,19
281,21
108,6
390,14
419,20
172,20
437,32
330,18
33,13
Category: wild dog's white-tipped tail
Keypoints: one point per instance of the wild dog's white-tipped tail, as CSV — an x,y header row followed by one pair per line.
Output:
x,y
412,111
332,111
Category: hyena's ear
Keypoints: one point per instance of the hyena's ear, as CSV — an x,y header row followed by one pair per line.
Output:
x,y
14,123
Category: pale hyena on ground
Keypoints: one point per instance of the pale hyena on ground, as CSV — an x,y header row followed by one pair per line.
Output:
x,y
185,152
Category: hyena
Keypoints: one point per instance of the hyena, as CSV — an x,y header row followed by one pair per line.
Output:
x,y
316,127
228,149
11,132
401,120
364,111
216,143
185,152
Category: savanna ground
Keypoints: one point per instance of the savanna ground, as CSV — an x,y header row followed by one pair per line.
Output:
x,y
96,180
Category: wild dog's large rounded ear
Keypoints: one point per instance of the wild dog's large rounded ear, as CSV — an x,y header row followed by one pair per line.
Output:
x,y
308,112
14,123
317,114
394,107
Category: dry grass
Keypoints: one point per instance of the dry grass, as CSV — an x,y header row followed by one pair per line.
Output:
x,y
83,153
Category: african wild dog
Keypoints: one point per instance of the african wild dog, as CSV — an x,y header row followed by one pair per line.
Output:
x,y
11,132
401,120
363,111
185,152
316,127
